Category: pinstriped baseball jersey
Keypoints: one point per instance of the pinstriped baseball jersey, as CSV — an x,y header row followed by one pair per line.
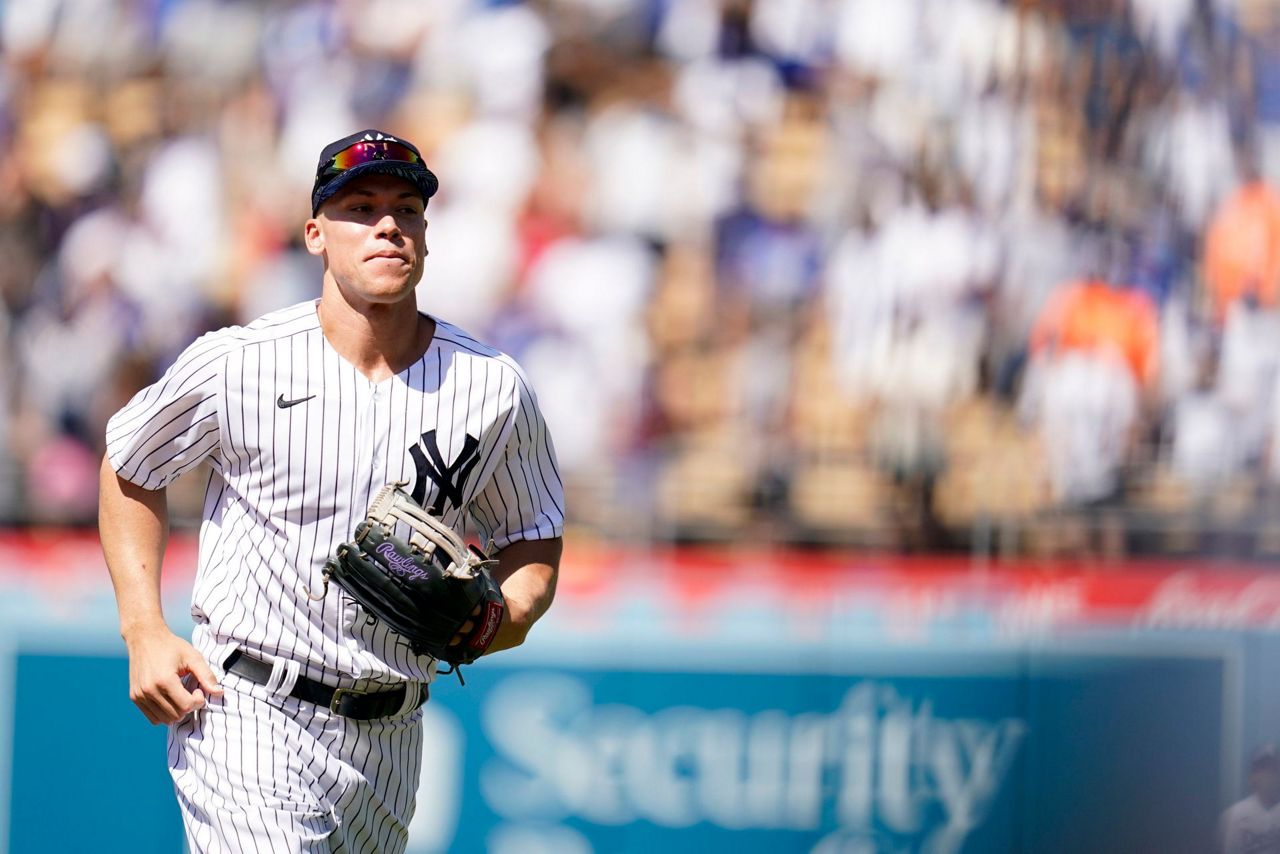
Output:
x,y
298,441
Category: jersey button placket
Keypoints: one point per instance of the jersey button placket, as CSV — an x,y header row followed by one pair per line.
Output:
x,y
380,437
366,432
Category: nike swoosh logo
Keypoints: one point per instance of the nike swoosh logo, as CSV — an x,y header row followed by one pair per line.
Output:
x,y
285,404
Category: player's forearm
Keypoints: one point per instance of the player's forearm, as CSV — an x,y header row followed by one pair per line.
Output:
x,y
133,525
527,572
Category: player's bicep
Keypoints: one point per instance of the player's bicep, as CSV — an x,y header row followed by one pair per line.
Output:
x,y
535,560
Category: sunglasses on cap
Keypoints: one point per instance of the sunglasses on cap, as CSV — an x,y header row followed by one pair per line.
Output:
x,y
364,152
368,152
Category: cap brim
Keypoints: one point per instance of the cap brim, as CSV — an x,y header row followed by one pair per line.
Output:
x,y
420,176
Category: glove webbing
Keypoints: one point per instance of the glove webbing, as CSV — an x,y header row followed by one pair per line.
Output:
x,y
425,531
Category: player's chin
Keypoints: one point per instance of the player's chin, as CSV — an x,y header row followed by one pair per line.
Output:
x,y
391,288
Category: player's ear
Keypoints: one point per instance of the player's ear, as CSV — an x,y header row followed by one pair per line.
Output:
x,y
313,236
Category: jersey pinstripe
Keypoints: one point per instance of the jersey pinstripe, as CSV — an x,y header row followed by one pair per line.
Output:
x,y
298,441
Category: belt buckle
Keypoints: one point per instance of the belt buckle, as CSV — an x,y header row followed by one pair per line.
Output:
x,y
337,697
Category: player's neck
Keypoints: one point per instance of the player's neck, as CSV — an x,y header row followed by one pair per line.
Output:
x,y
378,340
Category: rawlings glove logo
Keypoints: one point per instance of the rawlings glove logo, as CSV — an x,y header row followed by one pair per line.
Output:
x,y
488,626
398,562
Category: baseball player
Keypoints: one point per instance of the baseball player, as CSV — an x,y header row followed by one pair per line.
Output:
x,y
1252,825
294,716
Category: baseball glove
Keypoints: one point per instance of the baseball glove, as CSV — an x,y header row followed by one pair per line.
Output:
x,y
426,586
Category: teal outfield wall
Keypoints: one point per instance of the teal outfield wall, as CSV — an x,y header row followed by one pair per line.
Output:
x,y
694,719
936,750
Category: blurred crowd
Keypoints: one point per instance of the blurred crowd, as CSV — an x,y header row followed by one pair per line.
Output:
x,y
921,274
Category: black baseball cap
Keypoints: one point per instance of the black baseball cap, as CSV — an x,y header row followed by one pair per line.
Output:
x,y
369,152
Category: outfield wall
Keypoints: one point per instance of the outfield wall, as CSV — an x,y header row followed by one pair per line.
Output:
x,y
699,701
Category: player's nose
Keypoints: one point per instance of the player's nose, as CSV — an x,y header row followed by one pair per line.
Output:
x,y
387,227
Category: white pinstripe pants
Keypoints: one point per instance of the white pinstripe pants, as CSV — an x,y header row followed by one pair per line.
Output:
x,y
257,773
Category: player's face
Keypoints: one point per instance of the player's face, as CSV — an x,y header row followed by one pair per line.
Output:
x,y
1266,784
372,236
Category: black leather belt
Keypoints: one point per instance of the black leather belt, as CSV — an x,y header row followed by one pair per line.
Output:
x,y
361,705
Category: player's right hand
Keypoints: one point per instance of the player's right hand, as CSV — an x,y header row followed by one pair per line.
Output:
x,y
159,661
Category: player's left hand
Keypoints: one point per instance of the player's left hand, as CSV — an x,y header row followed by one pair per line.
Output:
x,y
427,585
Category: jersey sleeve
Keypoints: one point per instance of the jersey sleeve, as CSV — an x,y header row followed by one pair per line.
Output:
x,y
173,424
524,498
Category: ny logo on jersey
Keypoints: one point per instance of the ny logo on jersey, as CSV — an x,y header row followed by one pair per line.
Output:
x,y
447,478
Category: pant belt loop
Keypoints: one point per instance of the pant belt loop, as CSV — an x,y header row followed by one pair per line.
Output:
x,y
284,674
412,693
